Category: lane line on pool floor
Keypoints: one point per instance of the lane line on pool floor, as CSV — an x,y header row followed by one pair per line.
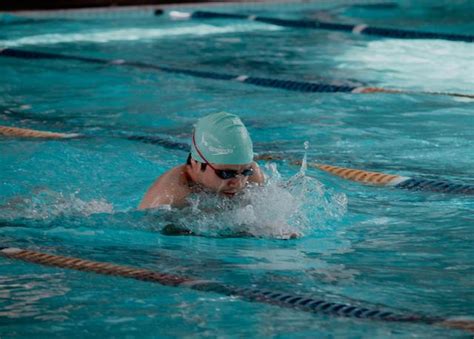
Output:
x,y
290,85
253,294
332,26
357,175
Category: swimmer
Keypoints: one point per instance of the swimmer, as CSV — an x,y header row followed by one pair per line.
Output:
x,y
220,161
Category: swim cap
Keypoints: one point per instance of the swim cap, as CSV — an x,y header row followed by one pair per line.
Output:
x,y
221,138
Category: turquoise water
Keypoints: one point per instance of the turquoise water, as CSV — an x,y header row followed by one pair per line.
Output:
x,y
408,251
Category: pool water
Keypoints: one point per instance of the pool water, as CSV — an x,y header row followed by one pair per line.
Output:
x,y
407,251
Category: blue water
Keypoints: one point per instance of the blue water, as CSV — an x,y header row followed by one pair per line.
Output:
x,y
371,246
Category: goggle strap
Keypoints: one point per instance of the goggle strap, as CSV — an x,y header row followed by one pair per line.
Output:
x,y
199,152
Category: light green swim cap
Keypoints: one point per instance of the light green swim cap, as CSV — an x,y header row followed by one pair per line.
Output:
x,y
221,138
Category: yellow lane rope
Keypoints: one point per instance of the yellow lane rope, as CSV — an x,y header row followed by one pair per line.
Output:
x,y
93,266
366,177
8,131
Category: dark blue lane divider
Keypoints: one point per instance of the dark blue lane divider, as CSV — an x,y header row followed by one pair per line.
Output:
x,y
289,85
263,82
166,143
420,184
312,305
17,53
357,29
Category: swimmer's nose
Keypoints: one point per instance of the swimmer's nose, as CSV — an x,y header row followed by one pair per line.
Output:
x,y
236,182
233,182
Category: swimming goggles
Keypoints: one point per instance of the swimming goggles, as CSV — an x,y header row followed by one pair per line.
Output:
x,y
224,174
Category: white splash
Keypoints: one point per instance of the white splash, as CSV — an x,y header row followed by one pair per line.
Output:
x,y
304,163
281,209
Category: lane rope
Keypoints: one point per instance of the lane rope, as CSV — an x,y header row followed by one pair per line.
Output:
x,y
397,181
8,131
332,26
383,179
290,85
292,301
357,175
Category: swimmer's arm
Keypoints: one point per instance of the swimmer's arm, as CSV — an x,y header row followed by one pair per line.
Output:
x,y
257,177
153,198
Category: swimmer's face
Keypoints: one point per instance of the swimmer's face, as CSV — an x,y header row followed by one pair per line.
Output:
x,y
228,187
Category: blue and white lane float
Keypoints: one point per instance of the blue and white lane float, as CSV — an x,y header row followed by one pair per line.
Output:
x,y
286,300
290,85
333,26
357,175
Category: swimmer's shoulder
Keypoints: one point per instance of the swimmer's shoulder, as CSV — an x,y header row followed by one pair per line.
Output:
x,y
171,188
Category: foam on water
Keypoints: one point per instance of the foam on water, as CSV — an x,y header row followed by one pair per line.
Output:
x,y
132,34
